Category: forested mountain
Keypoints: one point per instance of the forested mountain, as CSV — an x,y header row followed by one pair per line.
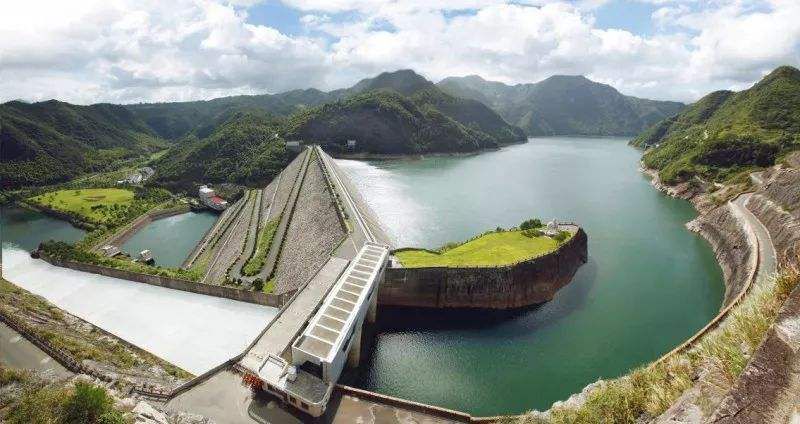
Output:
x,y
726,132
175,120
402,112
245,149
49,142
563,105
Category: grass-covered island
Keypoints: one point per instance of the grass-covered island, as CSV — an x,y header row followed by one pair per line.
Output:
x,y
493,248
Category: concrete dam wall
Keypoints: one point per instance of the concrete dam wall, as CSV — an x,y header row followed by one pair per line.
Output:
x,y
527,283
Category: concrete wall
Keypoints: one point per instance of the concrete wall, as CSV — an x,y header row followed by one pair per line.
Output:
x,y
527,283
259,298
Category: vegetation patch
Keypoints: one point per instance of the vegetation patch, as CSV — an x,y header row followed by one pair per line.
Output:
x,y
256,262
97,205
63,251
30,398
491,249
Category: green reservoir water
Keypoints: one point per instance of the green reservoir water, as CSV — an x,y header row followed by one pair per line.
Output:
x,y
26,228
171,239
649,283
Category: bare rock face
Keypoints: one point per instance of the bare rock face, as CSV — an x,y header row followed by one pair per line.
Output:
x,y
144,413
768,391
731,244
777,206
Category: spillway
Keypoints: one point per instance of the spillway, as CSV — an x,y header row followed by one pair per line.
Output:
x,y
193,331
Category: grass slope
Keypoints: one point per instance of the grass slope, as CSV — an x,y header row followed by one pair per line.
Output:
x,y
90,204
727,133
493,249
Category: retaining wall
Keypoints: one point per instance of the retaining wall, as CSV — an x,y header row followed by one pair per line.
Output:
x,y
527,283
259,298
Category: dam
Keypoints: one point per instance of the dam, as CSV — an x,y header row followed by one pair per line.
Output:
x,y
320,194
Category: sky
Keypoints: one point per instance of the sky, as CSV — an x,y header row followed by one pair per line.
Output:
x,y
130,51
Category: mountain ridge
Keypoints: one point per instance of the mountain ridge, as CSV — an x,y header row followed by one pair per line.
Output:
x,y
563,105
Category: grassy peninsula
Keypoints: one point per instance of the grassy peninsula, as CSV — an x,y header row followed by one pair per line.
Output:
x,y
494,248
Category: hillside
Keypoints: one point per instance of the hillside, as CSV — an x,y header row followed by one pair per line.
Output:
x,y
563,105
50,142
244,149
402,112
725,133
178,119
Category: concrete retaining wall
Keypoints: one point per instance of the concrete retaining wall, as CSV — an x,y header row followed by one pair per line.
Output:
x,y
259,298
527,283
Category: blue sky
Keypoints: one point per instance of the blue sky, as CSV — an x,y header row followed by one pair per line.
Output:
x,y
87,51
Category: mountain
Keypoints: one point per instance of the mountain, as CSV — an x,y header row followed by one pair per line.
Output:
x,y
178,119
402,112
563,105
50,142
725,132
245,149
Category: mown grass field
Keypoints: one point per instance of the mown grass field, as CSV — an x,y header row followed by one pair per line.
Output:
x,y
90,204
494,249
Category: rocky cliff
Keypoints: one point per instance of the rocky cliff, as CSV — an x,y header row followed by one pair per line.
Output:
x,y
527,283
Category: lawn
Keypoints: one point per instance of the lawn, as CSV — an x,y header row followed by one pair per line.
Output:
x,y
493,249
91,204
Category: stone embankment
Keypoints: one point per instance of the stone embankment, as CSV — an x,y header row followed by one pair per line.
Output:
x,y
513,286
314,232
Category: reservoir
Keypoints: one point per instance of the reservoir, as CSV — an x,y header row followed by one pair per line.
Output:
x,y
649,283
171,239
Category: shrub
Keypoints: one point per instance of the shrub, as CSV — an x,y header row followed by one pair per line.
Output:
x,y
530,224
531,233
561,236
258,284
88,404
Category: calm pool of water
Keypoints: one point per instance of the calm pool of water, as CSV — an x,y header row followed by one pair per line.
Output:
x,y
171,239
648,285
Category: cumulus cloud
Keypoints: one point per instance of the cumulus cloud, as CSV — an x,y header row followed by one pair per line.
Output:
x,y
127,51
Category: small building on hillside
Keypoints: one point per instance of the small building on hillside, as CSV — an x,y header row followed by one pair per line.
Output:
x,y
146,256
294,145
351,144
110,251
209,198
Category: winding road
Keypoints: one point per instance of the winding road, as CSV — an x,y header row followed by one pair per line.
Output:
x,y
767,263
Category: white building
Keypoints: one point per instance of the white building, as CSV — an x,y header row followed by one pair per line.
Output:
x,y
293,145
552,228
209,198
351,144
306,378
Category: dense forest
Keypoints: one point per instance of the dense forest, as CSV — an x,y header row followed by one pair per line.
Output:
x,y
563,105
726,133
51,142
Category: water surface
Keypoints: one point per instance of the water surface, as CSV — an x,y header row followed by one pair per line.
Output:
x,y
26,228
171,239
648,285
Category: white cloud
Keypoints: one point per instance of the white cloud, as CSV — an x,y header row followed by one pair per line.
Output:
x,y
126,50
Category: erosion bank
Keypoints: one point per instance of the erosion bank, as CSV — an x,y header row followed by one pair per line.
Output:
x,y
527,283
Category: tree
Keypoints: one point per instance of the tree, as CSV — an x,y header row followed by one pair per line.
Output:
x,y
530,224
